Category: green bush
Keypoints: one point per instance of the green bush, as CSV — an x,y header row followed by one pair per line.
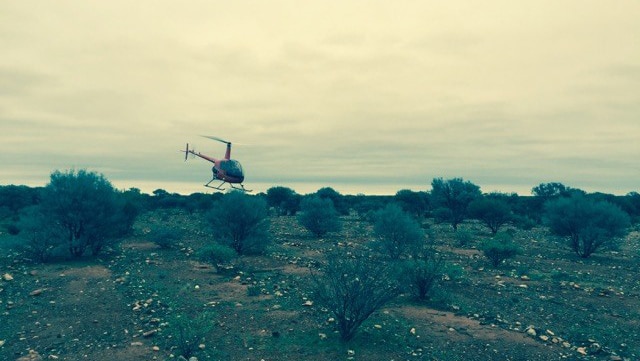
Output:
x,y
185,333
240,221
166,237
587,224
397,232
13,229
421,275
319,216
463,237
85,210
218,255
499,248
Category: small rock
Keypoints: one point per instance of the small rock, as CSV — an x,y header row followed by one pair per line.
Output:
x,y
582,351
379,327
202,346
7,277
149,333
323,336
193,358
531,331
308,303
136,343
2,342
412,331
615,358
32,356
544,338
155,348
351,352
37,292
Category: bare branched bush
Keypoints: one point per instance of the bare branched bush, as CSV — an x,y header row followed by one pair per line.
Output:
x,y
352,288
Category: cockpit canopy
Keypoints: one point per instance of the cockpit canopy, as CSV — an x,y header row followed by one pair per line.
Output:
x,y
232,168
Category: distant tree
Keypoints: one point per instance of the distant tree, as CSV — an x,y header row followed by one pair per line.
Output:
x,y
353,288
550,190
492,212
633,204
86,208
397,231
338,199
319,216
451,199
14,198
285,200
587,224
415,203
240,221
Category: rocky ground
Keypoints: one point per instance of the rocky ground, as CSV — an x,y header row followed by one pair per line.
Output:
x,y
543,305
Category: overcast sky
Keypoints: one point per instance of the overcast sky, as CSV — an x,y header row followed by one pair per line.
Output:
x,y
363,96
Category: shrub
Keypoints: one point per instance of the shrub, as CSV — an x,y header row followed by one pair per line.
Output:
x,y
240,221
13,229
40,237
422,274
319,216
87,210
217,254
463,237
185,333
397,231
499,248
166,237
587,224
352,289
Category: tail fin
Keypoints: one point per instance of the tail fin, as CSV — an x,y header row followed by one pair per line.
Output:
x,y
186,152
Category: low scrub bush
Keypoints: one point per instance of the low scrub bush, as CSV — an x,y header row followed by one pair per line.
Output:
x,y
463,237
499,248
185,333
319,216
397,232
240,221
166,237
421,274
218,255
352,288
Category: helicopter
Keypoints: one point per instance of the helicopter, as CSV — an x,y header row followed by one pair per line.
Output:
x,y
226,169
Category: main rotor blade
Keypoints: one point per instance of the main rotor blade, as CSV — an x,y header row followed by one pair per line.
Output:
x,y
216,138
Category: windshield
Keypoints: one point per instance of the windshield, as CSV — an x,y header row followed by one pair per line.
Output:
x,y
232,168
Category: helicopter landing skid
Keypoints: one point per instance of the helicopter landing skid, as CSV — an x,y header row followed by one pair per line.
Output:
x,y
219,187
241,188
